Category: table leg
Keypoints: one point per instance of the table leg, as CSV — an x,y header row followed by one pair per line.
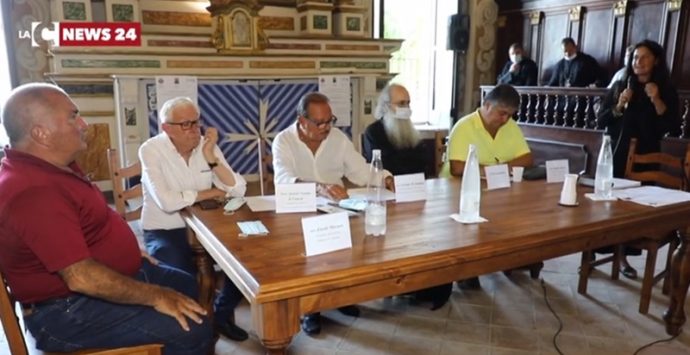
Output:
x,y
276,323
680,280
205,274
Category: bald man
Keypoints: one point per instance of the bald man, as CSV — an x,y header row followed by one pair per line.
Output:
x,y
79,274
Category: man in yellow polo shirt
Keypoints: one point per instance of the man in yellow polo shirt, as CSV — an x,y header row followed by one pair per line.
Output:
x,y
498,140
497,137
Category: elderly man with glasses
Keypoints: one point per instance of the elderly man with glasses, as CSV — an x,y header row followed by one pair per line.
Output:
x,y
311,151
180,168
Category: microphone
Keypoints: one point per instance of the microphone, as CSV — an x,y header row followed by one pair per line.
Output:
x,y
629,86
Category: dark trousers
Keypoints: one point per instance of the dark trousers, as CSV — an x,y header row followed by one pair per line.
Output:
x,y
171,247
78,322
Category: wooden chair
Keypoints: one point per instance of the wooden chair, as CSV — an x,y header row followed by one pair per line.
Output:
x,y
672,173
121,193
267,175
19,345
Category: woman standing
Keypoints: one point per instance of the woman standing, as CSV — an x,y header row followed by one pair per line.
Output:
x,y
643,105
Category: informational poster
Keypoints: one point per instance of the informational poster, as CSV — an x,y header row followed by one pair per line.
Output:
x,y
168,87
339,92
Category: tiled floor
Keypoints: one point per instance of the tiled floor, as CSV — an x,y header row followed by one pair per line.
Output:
x,y
507,316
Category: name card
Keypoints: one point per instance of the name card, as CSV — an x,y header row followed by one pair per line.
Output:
x,y
323,234
410,187
497,176
556,170
296,198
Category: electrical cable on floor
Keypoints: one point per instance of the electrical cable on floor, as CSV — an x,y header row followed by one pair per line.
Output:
x,y
560,323
654,342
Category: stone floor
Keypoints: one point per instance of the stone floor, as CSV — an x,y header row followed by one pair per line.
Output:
x,y
507,316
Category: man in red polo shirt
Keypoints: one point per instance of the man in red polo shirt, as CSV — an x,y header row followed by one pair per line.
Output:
x,y
69,259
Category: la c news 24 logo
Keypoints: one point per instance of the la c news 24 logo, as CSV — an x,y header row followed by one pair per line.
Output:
x,y
84,34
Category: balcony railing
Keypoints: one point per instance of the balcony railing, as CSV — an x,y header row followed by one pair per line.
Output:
x,y
573,107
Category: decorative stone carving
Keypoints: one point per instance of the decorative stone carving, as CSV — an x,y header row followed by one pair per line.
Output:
x,y
535,18
315,17
348,19
575,13
236,25
674,5
620,7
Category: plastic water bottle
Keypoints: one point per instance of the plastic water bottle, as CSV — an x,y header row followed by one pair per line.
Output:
x,y
375,213
603,178
470,190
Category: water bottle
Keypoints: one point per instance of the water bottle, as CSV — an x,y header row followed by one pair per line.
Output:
x,y
603,178
375,213
470,189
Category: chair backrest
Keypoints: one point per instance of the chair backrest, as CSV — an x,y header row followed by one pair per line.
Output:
x,y
669,171
267,174
120,177
10,322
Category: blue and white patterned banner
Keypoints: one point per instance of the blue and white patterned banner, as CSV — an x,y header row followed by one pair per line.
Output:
x,y
245,113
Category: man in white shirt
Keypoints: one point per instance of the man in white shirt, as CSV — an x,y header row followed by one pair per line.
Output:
x,y
310,151
179,168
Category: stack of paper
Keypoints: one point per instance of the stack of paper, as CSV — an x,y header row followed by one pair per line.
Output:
x,y
652,195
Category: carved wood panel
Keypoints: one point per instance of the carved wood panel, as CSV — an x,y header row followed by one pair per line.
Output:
x,y
93,161
596,37
645,21
555,27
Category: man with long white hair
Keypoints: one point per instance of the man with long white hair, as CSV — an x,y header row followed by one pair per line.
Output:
x,y
402,150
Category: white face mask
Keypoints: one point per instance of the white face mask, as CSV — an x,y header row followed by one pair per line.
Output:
x,y
570,57
402,113
516,58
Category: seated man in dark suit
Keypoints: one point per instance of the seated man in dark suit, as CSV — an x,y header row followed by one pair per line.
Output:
x,y
402,151
519,70
576,69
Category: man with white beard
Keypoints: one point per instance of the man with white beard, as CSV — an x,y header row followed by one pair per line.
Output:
x,y
402,150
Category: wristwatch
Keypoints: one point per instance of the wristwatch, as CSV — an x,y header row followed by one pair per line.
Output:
x,y
212,165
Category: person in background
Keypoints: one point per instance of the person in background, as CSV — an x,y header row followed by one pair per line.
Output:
x,y
644,106
498,140
519,70
402,151
79,275
311,151
180,168
621,74
576,69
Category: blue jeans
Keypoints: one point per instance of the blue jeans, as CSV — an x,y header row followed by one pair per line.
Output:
x,y
171,247
81,322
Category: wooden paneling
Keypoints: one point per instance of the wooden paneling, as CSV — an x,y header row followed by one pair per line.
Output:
x,y
598,31
595,37
555,27
93,161
645,21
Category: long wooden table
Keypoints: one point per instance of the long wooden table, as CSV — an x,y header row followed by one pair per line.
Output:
x,y
422,247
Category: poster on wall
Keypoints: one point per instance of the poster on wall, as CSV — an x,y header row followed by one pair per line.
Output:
x,y
339,92
168,87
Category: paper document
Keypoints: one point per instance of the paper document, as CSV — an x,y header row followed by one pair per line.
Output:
x,y
261,203
652,195
361,194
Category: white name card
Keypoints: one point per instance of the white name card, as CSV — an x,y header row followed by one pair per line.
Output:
x,y
410,187
326,233
497,176
556,170
296,197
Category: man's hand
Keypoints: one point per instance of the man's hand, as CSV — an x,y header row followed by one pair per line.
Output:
x,y
390,183
210,140
514,68
148,257
333,192
178,306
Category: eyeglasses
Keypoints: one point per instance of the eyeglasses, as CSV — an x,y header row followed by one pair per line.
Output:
x,y
186,125
322,124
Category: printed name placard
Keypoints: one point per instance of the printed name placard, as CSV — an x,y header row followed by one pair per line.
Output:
x,y
410,187
556,170
326,233
296,197
497,176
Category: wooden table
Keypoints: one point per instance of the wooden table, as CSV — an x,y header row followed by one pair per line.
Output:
x,y
422,247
